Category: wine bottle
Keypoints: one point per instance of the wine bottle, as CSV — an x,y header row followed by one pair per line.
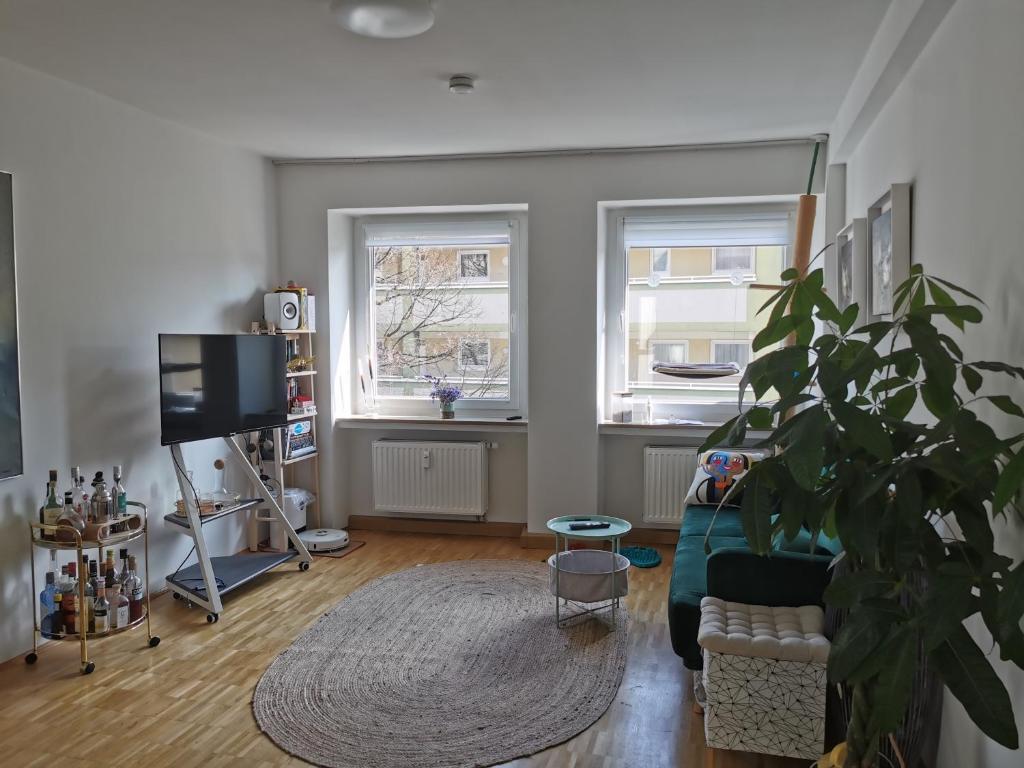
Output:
x,y
52,508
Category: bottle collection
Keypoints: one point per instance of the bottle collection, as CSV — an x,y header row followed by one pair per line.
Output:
x,y
113,597
96,515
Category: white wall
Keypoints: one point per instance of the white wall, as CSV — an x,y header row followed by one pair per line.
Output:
x,y
953,128
125,226
563,469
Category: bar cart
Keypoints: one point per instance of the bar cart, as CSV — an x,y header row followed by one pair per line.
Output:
x,y
137,526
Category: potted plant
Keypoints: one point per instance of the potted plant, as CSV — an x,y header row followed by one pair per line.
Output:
x,y
446,394
878,442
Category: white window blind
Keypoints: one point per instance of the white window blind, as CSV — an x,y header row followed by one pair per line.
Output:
x,y
439,233
740,228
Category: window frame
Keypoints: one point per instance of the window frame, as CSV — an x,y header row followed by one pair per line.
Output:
x,y
716,270
364,312
487,262
614,330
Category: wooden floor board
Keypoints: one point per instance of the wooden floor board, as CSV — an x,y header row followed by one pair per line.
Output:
x,y
187,703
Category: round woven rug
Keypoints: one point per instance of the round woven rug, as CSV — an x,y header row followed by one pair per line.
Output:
x,y
441,666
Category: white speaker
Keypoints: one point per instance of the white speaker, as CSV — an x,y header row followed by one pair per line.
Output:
x,y
282,309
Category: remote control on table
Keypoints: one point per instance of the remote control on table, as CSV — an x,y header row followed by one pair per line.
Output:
x,y
588,526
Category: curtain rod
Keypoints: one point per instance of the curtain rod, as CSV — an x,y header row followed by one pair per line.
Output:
x,y
544,152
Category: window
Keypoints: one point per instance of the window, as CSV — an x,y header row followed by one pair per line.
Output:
x,y
474,265
660,262
435,307
475,354
731,352
704,313
732,259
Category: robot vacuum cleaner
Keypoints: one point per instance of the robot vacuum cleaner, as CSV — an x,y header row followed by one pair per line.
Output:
x,y
324,539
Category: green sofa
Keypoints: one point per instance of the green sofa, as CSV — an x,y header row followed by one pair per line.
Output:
x,y
791,575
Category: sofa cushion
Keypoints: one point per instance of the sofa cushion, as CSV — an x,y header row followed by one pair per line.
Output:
x,y
688,587
697,519
802,543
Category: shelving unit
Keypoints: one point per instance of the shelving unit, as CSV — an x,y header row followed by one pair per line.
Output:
x,y
138,527
298,471
211,577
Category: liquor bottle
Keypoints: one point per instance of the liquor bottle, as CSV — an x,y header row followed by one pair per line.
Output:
x,y
120,608
46,598
57,616
119,493
134,588
124,570
52,508
69,519
75,472
90,593
82,500
110,566
70,609
101,610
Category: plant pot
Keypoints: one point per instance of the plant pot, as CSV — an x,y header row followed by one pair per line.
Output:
x,y
447,410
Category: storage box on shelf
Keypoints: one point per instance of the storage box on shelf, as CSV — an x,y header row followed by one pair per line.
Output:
x,y
61,538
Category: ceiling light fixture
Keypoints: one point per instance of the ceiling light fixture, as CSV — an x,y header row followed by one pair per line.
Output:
x,y
386,19
461,84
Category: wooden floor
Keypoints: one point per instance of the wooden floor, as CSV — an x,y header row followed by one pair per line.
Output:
x,y
186,703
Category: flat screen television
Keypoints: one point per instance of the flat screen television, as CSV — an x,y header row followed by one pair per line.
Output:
x,y
216,385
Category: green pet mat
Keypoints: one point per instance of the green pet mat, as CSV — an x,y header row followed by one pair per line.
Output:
x,y
641,557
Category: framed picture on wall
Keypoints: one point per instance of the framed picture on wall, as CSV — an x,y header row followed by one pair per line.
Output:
x,y
889,254
10,392
852,266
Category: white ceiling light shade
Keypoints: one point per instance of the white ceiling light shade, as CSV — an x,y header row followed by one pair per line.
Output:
x,y
388,19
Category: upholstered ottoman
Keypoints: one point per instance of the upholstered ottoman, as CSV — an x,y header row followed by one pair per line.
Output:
x,y
764,678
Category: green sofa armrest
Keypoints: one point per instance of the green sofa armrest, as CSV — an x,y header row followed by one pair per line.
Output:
x,y
780,579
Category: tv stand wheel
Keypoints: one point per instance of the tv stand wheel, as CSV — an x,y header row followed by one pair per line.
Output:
x,y
175,595
154,641
303,566
31,658
212,618
88,668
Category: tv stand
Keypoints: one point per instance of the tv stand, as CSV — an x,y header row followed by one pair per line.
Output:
x,y
211,577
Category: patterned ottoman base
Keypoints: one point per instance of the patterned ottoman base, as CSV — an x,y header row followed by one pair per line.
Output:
x,y
764,705
764,677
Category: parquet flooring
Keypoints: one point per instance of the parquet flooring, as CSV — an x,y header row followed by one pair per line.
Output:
x,y
186,703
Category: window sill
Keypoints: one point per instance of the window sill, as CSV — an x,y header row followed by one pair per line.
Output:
x,y
665,430
367,421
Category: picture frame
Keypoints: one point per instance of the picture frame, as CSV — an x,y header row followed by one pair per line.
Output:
x,y
852,267
11,451
888,249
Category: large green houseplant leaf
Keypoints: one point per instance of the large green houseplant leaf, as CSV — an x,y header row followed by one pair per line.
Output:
x,y
911,498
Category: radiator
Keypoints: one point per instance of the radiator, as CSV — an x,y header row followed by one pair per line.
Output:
x,y
430,478
668,473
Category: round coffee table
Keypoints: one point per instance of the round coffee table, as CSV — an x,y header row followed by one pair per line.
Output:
x,y
561,527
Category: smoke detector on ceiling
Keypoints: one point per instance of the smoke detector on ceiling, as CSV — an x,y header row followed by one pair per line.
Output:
x,y
386,19
461,84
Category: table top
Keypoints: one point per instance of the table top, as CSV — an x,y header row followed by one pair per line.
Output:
x,y
617,527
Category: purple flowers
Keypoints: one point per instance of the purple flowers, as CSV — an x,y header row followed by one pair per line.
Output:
x,y
442,390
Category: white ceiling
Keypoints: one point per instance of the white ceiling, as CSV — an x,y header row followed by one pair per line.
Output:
x,y
279,77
